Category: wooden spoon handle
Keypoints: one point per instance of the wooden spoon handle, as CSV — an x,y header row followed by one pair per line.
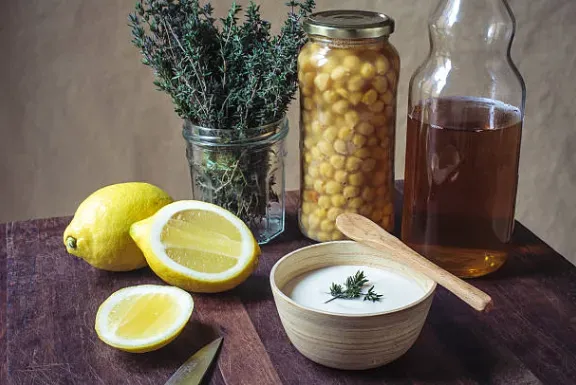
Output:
x,y
374,236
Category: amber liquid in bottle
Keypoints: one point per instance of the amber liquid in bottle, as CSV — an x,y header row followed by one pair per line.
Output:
x,y
461,179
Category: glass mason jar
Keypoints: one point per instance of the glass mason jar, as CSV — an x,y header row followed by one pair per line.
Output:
x,y
465,114
348,74
241,171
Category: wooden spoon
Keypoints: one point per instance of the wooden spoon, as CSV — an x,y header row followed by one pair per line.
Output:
x,y
364,231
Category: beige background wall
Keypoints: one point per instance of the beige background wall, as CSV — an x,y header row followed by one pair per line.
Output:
x,y
78,111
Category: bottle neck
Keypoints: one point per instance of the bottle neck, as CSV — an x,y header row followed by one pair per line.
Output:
x,y
483,26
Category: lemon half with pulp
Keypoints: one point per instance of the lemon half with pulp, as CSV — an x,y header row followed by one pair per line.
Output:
x,y
197,246
143,318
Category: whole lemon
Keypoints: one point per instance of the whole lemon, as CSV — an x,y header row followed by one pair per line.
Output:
x,y
99,231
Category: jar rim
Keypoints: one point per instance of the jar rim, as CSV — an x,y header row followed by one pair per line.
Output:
x,y
349,24
218,137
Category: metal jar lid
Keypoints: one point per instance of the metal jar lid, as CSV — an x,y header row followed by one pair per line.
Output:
x,y
349,24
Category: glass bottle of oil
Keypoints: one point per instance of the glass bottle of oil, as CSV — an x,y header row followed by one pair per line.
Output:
x,y
465,114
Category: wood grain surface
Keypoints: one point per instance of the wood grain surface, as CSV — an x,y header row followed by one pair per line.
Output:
x,y
48,301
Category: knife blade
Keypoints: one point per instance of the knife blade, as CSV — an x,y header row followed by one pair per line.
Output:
x,y
193,370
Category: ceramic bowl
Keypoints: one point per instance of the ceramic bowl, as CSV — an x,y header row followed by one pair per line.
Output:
x,y
348,341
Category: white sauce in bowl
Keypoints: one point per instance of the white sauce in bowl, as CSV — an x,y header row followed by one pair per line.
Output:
x,y
312,290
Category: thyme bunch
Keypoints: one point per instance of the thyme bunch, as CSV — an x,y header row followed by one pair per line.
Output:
x,y
221,73
353,289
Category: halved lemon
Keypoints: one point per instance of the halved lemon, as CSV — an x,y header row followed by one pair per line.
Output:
x,y
197,246
143,318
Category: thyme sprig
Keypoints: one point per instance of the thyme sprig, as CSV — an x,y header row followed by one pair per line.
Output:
x,y
352,289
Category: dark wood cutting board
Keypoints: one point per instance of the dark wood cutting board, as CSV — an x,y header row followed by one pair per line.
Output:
x,y
48,301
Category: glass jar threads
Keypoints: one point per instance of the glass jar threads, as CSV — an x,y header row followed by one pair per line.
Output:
x,y
348,75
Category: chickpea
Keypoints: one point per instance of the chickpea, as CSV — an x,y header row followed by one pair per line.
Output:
x,y
362,153
326,148
317,98
341,107
322,81
310,196
370,97
330,96
368,165
326,118
325,202
313,221
333,187
308,182
338,161
382,65
368,194
326,170
311,234
351,62
338,200
308,158
350,192
309,143
365,128
323,236
319,186
365,210
345,133
352,118
356,179
333,213
316,127
380,83
307,117
330,134
308,103
373,141
353,164
342,92
355,203
376,215
316,153
367,70
306,91
306,208
355,98
339,73
378,106
340,147
313,171
327,225
328,66
378,119
340,176
337,235
387,97
386,223
321,213
355,83
308,79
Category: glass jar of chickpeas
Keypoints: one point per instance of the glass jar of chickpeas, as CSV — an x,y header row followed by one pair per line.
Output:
x,y
348,74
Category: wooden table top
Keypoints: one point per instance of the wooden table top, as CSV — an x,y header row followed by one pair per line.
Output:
x,y
48,302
